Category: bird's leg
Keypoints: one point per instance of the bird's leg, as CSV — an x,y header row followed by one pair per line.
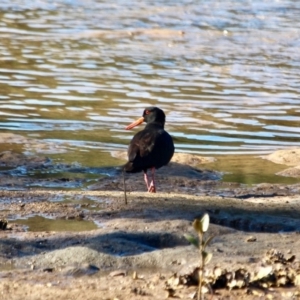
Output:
x,y
146,179
152,188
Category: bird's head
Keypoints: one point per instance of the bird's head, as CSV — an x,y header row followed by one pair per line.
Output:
x,y
150,115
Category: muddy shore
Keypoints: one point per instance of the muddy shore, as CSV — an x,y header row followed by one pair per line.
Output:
x,y
134,250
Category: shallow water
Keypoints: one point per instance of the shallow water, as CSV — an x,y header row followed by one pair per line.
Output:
x,y
74,73
39,223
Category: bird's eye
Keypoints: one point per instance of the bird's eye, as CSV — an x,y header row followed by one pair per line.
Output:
x,y
147,112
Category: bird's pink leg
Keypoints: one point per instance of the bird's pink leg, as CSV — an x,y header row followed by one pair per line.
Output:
x,y
152,188
146,180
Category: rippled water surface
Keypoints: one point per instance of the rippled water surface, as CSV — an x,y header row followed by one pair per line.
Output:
x,y
74,73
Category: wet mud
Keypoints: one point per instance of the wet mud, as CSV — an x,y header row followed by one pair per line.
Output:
x,y
56,236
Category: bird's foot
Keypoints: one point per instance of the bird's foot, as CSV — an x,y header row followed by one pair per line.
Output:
x,y
152,189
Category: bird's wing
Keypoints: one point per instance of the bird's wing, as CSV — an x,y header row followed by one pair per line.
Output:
x,y
141,145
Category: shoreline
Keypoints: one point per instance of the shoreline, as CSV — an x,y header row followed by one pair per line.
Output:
x,y
146,236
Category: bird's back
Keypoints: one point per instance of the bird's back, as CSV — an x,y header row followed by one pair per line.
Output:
x,y
151,147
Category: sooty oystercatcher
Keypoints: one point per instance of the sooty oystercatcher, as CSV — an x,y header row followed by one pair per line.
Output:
x,y
150,148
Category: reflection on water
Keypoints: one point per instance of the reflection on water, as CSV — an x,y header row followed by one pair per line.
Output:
x,y
74,73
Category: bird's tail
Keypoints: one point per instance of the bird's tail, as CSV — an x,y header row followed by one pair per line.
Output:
x,y
128,166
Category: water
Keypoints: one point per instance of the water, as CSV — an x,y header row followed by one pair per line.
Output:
x,y
73,74
39,223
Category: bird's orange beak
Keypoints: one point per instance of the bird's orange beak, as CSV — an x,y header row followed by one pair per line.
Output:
x,y
135,123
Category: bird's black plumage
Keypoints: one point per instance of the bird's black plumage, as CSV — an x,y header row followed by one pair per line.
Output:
x,y
151,147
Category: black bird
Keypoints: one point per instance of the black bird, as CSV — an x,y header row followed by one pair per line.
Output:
x,y
150,148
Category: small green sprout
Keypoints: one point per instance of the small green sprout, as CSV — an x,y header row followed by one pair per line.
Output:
x,y
201,226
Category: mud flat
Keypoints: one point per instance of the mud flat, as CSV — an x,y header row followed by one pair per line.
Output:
x,y
134,251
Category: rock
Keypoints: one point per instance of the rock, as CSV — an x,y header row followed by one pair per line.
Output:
x,y
289,157
251,239
180,158
191,159
290,172
118,273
